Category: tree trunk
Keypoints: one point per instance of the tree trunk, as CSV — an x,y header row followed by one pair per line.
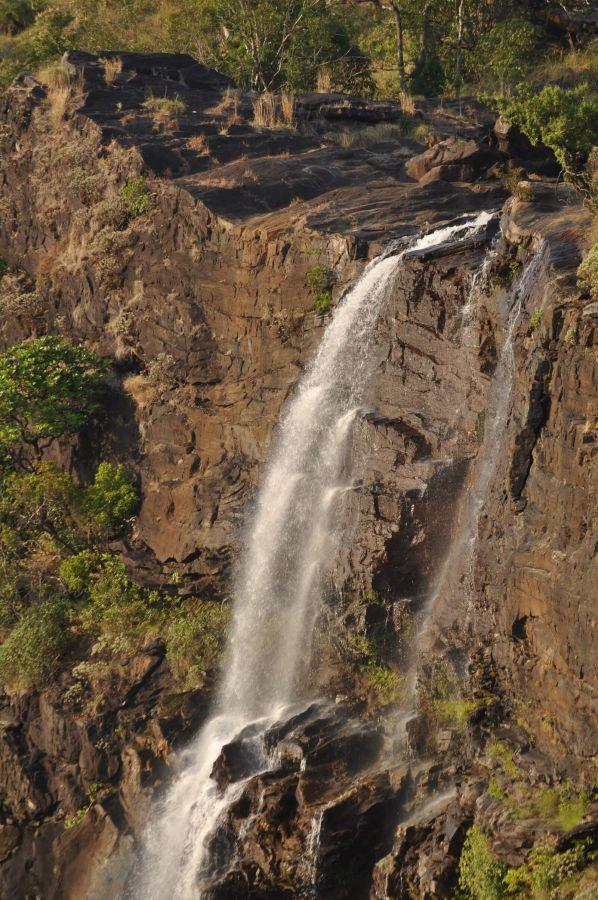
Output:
x,y
460,13
400,45
424,44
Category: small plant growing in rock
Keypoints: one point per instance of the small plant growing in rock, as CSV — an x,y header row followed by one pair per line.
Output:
x,y
92,795
195,641
535,319
587,273
135,198
571,335
320,284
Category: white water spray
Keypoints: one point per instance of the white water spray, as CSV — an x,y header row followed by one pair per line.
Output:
x,y
289,549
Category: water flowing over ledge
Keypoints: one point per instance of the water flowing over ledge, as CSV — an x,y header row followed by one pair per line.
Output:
x,y
289,546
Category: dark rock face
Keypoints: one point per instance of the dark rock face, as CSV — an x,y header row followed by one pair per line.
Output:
x,y
210,290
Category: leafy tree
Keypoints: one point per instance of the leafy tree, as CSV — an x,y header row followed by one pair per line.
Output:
x,y
265,44
566,120
48,388
508,51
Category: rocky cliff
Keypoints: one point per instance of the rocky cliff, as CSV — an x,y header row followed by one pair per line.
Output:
x,y
202,302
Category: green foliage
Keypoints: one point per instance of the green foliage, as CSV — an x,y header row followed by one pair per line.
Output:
x,y
495,791
92,795
112,498
76,571
118,611
428,76
481,875
564,119
320,285
48,388
502,753
135,198
195,640
587,273
34,647
508,51
535,318
383,683
455,712
546,870
4,269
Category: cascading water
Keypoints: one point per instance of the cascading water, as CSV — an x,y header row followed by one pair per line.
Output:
x,y
292,541
459,559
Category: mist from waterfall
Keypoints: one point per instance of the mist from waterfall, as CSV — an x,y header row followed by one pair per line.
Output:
x,y
290,546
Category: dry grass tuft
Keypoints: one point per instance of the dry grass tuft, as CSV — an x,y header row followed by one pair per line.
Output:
x,y
264,110
141,389
112,68
199,144
407,103
324,80
287,109
167,107
58,100
272,112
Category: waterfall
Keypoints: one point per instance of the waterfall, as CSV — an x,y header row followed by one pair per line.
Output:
x,y
460,556
289,548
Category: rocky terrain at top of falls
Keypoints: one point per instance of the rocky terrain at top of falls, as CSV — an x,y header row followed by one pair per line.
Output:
x,y
210,290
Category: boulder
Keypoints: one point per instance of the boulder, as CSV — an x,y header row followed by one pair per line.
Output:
x,y
452,160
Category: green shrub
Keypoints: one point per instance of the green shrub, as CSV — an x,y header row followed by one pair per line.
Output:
x,y
135,198
76,571
587,273
566,120
35,645
481,874
571,335
119,612
195,641
92,795
112,499
320,284
48,388
38,503
508,50
4,268
546,870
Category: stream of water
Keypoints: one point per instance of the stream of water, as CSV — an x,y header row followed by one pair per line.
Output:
x,y
289,547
